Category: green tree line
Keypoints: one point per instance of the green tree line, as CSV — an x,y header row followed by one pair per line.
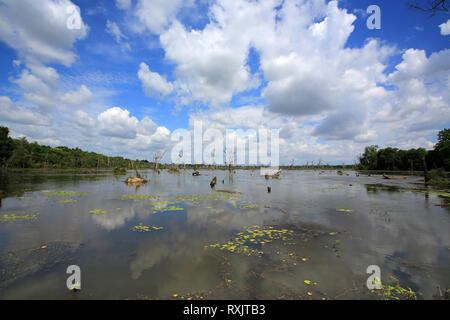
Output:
x,y
389,158
19,153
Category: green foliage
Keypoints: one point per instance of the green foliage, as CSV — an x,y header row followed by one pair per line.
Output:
x,y
19,153
6,146
389,158
441,154
393,291
369,158
438,177
119,171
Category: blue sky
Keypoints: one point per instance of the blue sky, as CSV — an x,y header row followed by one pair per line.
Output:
x,y
135,71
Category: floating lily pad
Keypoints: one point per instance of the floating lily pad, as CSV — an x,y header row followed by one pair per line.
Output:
x,y
13,217
142,228
97,211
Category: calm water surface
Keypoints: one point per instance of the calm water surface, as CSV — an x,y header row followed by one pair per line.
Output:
x,y
403,231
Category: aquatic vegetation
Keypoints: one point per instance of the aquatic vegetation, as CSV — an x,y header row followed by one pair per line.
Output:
x,y
64,194
344,210
142,228
245,242
97,211
438,177
67,201
393,291
24,198
247,206
137,197
13,217
165,205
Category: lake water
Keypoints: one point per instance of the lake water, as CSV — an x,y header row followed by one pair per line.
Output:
x,y
312,237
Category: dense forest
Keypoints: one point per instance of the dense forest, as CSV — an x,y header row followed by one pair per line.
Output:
x,y
19,153
389,158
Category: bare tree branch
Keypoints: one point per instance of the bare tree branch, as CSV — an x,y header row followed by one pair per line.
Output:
x,y
432,6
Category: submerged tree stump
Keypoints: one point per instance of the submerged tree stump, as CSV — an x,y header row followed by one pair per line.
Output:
x,y
213,182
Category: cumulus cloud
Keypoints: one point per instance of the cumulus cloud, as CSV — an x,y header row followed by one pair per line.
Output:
x,y
152,83
38,29
41,33
445,28
416,65
82,96
327,99
156,15
12,113
211,63
117,122
309,72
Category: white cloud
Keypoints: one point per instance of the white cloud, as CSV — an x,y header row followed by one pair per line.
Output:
x,y
113,29
156,15
123,4
82,96
445,28
12,113
82,119
38,30
40,33
211,63
415,64
117,122
152,83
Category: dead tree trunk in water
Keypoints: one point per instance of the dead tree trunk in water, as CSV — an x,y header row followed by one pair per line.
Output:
x,y
425,171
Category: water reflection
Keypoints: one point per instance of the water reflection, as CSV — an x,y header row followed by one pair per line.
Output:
x,y
394,224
